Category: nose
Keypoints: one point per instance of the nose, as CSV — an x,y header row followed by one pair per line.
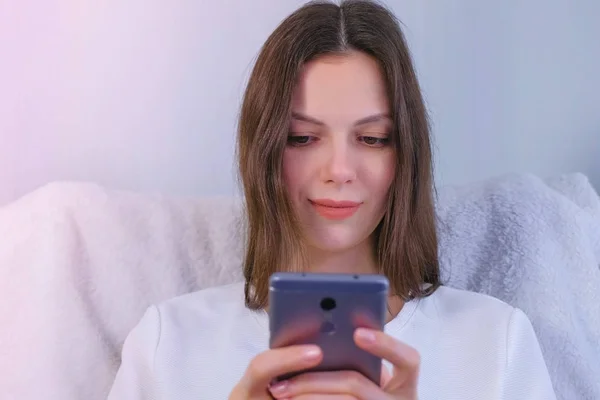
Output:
x,y
339,166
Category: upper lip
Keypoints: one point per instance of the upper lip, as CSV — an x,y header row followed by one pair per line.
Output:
x,y
335,203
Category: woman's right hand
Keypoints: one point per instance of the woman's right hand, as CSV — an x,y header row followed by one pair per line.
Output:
x,y
270,364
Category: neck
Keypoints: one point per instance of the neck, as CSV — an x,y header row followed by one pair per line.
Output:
x,y
360,259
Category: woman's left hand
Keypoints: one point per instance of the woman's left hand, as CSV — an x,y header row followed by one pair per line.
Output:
x,y
401,384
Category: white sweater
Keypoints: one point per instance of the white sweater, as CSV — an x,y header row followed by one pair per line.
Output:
x,y
197,347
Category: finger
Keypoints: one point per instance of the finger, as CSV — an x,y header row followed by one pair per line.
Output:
x,y
273,363
348,383
386,375
324,397
405,359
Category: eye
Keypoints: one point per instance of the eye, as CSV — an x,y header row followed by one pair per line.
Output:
x,y
300,140
374,141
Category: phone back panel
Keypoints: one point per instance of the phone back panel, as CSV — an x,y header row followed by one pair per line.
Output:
x,y
326,309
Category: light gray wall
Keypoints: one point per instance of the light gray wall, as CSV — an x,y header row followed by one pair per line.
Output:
x,y
512,85
144,94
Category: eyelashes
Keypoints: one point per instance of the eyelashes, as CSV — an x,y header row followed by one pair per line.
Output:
x,y
374,141
300,140
295,140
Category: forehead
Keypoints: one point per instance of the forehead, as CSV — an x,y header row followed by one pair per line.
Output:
x,y
349,84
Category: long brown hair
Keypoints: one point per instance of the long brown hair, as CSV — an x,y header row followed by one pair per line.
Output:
x,y
406,241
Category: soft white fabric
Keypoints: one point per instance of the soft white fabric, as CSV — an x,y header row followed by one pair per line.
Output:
x,y
79,264
198,346
535,245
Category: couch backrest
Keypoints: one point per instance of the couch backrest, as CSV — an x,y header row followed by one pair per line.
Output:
x,y
80,263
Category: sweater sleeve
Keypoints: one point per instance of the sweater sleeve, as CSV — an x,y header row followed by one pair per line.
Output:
x,y
526,375
135,379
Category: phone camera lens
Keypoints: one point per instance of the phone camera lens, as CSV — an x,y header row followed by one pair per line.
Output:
x,y
328,304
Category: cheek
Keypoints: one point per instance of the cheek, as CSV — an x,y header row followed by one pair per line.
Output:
x,y
292,171
381,174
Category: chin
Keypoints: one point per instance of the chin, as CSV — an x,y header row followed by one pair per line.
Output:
x,y
336,239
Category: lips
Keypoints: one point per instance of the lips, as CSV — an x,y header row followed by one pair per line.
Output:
x,y
335,210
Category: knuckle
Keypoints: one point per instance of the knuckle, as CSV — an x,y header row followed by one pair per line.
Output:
x,y
413,358
253,372
410,357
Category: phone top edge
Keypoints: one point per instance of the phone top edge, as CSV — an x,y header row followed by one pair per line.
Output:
x,y
321,281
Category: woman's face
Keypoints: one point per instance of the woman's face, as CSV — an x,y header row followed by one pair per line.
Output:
x,y
339,164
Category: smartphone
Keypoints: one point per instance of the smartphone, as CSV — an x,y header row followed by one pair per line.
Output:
x,y
326,309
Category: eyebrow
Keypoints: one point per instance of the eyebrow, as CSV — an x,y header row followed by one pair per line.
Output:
x,y
367,120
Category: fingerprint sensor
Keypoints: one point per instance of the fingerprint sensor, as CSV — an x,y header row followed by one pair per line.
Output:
x,y
328,328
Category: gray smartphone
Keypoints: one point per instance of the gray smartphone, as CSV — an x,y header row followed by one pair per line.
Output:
x,y
326,309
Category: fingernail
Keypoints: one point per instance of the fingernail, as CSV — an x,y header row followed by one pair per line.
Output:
x,y
279,388
366,335
312,353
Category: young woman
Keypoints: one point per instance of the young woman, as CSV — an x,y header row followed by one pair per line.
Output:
x,y
335,159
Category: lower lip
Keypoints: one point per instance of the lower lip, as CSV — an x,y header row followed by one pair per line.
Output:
x,y
335,213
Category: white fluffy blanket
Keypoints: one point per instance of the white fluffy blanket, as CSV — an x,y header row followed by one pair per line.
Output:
x,y
79,264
